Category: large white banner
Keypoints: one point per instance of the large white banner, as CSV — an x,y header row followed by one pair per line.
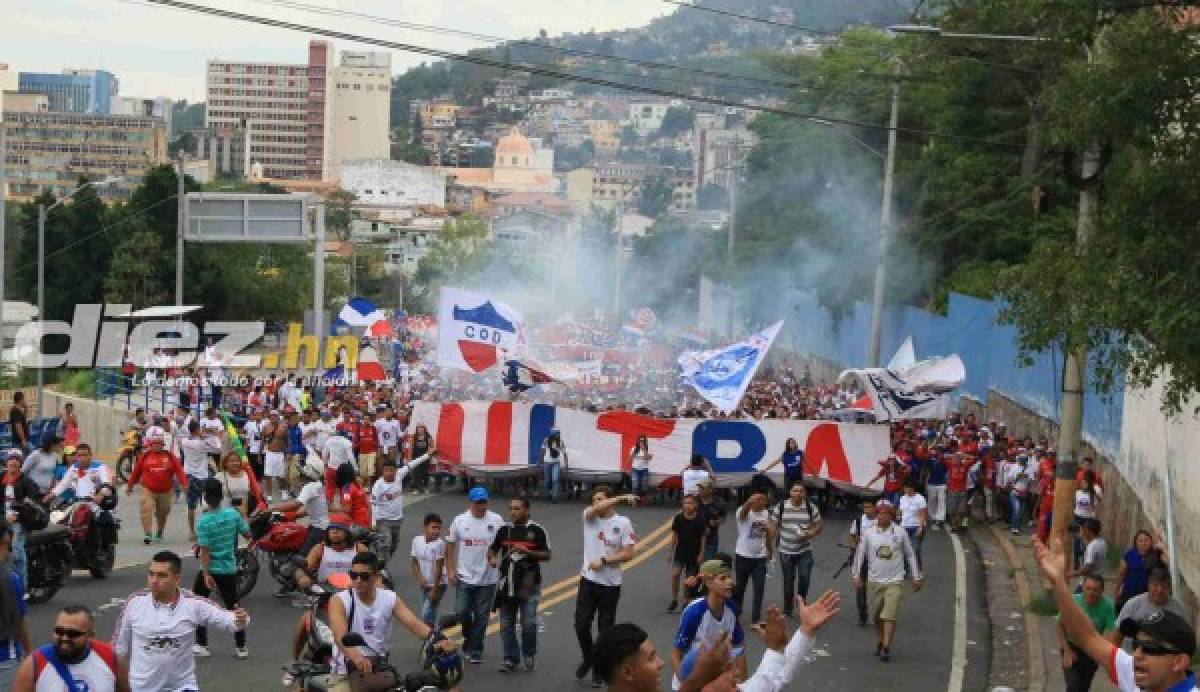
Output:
x,y
505,434
918,392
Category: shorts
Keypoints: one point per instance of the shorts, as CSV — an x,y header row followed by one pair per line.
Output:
x,y
883,600
955,500
690,564
151,503
273,465
195,491
366,464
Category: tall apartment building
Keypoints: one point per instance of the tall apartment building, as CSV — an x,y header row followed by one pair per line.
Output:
x,y
285,108
362,104
155,108
51,150
73,91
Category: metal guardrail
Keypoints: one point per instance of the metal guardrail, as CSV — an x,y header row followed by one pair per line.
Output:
x,y
117,389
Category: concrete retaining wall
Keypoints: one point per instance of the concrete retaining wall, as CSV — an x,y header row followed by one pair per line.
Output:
x,y
100,425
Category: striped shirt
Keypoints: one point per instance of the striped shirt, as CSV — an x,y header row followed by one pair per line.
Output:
x,y
793,523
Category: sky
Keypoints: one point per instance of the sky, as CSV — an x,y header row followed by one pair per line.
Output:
x,y
160,51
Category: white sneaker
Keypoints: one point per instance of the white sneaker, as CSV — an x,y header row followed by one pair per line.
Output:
x,y
200,651
241,652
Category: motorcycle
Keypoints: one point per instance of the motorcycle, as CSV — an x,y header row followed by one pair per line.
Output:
x,y
280,540
439,671
131,446
47,552
311,671
93,545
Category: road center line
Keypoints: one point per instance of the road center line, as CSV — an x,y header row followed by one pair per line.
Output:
x,y
959,661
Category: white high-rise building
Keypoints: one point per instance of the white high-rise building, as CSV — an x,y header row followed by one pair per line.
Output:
x,y
9,81
362,90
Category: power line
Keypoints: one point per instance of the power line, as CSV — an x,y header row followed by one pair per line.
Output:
x,y
448,31
752,18
558,74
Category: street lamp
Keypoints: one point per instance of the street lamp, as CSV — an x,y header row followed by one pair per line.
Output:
x,y
43,210
926,30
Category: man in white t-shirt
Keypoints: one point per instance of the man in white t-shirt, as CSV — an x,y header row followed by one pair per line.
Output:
x,y
338,450
696,472
608,541
252,431
156,630
429,566
367,610
325,430
387,501
913,515
388,430
754,548
858,527
1163,644
470,570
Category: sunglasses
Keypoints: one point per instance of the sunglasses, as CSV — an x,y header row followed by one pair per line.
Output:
x,y
363,576
1153,648
68,633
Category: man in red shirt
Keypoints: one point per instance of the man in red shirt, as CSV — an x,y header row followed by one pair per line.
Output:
x,y
366,442
1087,465
155,469
957,467
893,472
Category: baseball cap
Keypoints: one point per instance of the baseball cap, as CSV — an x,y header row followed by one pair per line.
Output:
x,y
478,494
712,568
884,503
14,453
1166,628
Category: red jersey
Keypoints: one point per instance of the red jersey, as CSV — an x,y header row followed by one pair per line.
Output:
x,y
989,473
155,471
351,501
956,473
894,473
1095,475
367,439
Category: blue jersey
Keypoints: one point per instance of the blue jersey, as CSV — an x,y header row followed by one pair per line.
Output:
x,y
699,626
295,441
793,462
937,471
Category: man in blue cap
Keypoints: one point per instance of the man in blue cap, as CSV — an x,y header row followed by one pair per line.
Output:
x,y
470,570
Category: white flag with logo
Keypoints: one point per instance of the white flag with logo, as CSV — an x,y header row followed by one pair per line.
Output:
x,y
476,332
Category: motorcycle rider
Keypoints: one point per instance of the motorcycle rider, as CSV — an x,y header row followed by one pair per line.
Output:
x,y
91,481
330,557
16,487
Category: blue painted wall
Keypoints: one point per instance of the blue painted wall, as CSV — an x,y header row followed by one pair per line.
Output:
x,y
970,329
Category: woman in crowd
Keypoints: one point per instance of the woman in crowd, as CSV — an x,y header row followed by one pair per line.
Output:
x,y
639,466
238,482
1133,575
420,444
39,466
68,424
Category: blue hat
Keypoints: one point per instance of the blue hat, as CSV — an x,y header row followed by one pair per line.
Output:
x,y
478,494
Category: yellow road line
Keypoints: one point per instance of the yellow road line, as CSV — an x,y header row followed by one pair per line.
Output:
x,y
570,585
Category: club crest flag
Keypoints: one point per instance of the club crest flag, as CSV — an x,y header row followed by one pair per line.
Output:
x,y
476,332
921,390
722,375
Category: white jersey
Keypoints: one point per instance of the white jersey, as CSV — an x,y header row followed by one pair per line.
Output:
x,y
472,537
316,504
373,622
84,482
692,478
195,456
389,433
605,538
752,533
97,672
253,432
884,551
335,561
387,499
325,430
157,639
211,429
339,450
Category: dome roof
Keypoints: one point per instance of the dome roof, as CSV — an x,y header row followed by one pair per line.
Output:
x,y
514,143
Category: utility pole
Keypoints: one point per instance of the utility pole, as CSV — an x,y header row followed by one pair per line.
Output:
x,y
885,225
180,225
3,230
41,298
619,254
730,241
319,281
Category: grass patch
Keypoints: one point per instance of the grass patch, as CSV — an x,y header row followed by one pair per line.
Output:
x,y
1042,604
81,383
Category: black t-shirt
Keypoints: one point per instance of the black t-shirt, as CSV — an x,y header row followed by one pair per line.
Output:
x,y
511,538
688,535
16,420
713,513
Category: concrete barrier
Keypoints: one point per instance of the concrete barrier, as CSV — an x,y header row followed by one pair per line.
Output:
x,y
100,425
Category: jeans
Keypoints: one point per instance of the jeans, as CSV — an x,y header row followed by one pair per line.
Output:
x,y
641,480
390,530
473,603
552,472
1079,676
20,562
598,602
429,606
528,612
916,541
745,569
1014,514
797,572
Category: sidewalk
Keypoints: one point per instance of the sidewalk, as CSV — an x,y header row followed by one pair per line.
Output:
x,y
1026,639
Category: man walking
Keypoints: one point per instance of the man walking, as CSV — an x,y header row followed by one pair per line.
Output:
x,y
156,630
608,541
937,489
752,552
217,536
155,470
862,523
1078,667
688,529
704,620
797,523
519,548
884,549
73,660
470,572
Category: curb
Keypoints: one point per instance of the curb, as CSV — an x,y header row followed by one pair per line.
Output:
x,y
1033,630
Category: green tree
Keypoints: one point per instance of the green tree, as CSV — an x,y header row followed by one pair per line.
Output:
x,y
460,251
130,278
656,196
676,121
339,212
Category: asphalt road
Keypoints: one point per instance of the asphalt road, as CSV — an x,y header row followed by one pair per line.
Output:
x,y
923,655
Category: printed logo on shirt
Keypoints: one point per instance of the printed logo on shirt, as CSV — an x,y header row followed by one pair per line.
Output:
x,y
884,552
162,644
369,624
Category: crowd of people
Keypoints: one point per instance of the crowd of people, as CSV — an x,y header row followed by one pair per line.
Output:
x,y
344,457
